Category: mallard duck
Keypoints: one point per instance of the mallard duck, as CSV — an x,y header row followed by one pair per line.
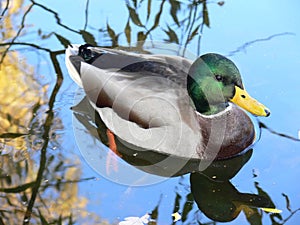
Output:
x,y
167,105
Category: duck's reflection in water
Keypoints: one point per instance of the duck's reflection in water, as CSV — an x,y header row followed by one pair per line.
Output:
x,y
217,197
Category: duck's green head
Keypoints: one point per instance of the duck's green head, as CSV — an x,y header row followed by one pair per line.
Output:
x,y
213,81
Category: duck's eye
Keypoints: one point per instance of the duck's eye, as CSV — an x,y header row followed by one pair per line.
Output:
x,y
219,77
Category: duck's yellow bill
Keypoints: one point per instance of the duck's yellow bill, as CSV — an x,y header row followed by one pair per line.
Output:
x,y
245,101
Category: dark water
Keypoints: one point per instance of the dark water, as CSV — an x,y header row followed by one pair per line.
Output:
x,y
47,178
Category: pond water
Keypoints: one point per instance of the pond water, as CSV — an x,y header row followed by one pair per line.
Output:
x,y
47,178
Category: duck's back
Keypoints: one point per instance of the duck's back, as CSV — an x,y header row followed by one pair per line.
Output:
x,y
142,99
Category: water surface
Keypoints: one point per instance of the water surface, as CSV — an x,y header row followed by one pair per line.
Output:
x,y
44,177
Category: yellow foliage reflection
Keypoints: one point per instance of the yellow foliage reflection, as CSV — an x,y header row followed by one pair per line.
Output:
x,y
23,115
19,91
